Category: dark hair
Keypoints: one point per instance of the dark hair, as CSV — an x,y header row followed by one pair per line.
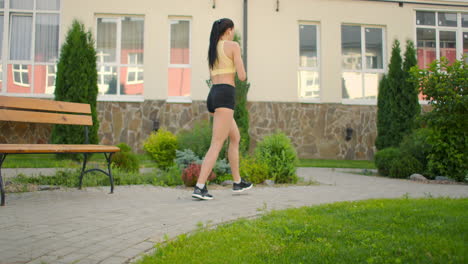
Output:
x,y
219,27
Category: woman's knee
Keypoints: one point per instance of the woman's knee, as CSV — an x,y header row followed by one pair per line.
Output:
x,y
234,140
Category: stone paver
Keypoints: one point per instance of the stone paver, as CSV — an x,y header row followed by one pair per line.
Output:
x,y
92,226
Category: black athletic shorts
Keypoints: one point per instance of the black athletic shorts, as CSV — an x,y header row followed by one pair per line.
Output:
x,y
221,95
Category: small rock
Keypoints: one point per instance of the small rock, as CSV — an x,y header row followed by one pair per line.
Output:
x,y
226,183
443,178
269,182
417,177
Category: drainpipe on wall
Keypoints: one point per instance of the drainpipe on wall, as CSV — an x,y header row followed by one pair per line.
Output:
x,y
244,44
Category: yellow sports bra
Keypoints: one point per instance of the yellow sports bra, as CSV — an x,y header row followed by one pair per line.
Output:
x,y
223,60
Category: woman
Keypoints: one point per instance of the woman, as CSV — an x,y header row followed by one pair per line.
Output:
x,y
224,60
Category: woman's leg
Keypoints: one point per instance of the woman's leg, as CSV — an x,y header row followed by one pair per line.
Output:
x,y
233,152
222,122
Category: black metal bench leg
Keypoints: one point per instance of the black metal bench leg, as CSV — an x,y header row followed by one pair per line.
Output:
x,y
2,189
83,170
111,178
108,172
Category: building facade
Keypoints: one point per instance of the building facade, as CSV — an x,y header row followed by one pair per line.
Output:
x,y
313,65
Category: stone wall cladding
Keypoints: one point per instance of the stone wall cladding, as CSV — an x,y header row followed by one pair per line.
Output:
x,y
132,123
316,130
24,133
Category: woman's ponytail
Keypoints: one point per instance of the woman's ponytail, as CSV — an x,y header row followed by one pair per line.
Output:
x,y
217,30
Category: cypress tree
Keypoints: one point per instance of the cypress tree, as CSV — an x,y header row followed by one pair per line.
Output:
x,y
241,115
77,82
388,115
383,114
409,103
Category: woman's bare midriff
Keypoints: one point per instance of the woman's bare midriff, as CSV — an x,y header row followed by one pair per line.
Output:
x,y
227,78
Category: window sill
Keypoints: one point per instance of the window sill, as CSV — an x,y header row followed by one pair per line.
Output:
x,y
179,100
359,101
370,102
100,98
309,100
29,95
120,98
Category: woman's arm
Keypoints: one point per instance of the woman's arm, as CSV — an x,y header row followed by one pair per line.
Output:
x,y
239,64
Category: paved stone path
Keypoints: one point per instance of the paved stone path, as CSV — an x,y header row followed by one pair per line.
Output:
x,y
92,226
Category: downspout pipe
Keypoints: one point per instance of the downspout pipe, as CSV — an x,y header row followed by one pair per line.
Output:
x,y
244,43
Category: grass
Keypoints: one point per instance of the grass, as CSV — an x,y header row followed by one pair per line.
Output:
x,y
349,164
70,178
51,161
373,231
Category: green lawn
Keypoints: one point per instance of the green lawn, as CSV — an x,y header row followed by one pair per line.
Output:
x,y
322,163
374,231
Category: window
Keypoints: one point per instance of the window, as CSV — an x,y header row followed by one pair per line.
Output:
x,y
363,61
32,27
21,75
120,54
308,73
134,74
179,73
440,34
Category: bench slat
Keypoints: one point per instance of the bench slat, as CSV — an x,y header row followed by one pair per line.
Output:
x,y
44,105
52,148
42,117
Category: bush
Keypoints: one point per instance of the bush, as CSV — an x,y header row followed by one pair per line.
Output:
x,y
253,170
417,145
125,159
384,158
186,157
191,173
161,146
445,83
124,147
169,177
403,166
222,167
198,139
278,154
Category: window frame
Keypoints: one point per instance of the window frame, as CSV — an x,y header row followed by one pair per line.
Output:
x,y
317,69
135,70
179,99
118,62
20,71
459,30
5,61
48,74
364,68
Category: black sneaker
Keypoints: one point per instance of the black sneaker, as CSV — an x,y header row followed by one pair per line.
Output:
x,y
201,194
242,186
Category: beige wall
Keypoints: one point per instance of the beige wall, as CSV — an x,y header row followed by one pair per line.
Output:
x,y
157,14
273,38
274,41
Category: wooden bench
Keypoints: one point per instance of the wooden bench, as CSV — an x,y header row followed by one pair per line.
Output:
x,y
17,109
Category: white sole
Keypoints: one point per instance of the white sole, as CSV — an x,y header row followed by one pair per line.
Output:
x,y
239,191
201,197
